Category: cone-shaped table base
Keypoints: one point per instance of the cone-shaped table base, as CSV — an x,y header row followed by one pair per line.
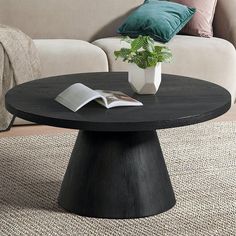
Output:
x,y
117,175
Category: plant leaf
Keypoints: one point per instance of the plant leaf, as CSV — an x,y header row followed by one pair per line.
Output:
x,y
137,43
126,39
148,44
124,53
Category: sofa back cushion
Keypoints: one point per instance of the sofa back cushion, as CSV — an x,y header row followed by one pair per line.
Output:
x,y
69,19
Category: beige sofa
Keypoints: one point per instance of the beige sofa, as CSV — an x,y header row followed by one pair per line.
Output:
x,y
75,36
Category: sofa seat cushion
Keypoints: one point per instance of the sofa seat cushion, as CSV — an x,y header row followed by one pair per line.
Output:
x,y
210,59
66,56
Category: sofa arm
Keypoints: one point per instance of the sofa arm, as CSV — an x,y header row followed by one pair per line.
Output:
x,y
225,21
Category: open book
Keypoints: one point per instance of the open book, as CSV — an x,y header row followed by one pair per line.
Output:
x,y
78,95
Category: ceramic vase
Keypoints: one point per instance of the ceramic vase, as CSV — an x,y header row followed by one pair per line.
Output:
x,y
145,81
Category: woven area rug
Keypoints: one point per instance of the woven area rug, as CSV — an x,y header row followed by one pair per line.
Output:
x,y
202,164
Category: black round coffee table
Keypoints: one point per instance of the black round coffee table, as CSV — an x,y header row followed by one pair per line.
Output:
x,y
117,169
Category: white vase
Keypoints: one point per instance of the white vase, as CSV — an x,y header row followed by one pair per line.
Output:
x,y
145,81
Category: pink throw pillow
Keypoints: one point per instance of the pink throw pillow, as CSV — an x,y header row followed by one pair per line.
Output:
x,y
201,23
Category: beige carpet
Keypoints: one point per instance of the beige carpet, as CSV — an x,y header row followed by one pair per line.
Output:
x,y
201,160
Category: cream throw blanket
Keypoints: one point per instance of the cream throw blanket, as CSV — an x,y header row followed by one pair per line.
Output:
x,y
19,63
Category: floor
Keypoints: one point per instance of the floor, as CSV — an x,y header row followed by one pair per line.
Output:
x,y
41,129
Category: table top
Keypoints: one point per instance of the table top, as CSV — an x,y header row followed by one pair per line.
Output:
x,y
179,101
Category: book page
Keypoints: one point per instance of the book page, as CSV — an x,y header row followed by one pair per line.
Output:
x,y
116,98
76,96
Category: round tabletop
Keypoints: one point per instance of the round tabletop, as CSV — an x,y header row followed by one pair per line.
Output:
x,y
179,101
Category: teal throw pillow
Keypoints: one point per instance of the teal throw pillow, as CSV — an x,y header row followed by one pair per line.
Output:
x,y
161,20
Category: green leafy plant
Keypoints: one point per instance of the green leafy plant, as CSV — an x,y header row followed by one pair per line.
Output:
x,y
143,52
